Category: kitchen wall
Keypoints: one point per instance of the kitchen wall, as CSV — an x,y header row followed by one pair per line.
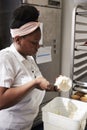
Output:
x,y
68,6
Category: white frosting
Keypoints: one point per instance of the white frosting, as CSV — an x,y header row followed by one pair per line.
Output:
x,y
63,83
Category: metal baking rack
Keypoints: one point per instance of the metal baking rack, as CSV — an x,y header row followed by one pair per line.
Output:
x,y
79,48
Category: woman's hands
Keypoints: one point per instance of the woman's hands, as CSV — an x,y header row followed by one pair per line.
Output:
x,y
42,83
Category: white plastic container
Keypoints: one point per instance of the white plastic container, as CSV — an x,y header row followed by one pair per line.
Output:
x,y
64,114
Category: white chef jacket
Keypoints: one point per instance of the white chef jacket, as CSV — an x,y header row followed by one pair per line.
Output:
x,y
15,70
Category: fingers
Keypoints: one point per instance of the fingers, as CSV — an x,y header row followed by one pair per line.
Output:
x,y
42,83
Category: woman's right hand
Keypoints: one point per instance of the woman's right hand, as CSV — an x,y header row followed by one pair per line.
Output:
x,y
42,83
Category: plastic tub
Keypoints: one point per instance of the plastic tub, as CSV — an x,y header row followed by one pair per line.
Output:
x,y
64,114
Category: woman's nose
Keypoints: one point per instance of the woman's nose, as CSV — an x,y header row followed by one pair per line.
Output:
x,y
38,45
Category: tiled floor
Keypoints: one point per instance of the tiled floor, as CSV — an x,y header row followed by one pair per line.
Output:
x,y
39,127
86,127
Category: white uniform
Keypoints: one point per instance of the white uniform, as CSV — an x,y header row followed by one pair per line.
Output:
x,y
15,70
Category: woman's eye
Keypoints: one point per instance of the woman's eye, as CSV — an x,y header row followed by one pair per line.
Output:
x,y
35,43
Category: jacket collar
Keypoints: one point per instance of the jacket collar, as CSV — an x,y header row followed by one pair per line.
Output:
x,y
16,53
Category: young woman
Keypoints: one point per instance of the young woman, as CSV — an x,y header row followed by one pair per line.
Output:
x,y
22,86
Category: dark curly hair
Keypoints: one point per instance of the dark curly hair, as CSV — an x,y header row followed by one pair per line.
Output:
x,y
24,14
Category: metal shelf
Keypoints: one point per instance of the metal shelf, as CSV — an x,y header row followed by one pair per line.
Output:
x,y
80,89
79,49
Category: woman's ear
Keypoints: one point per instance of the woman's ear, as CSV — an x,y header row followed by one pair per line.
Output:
x,y
17,39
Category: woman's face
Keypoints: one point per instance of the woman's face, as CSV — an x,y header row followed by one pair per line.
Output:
x,y
29,44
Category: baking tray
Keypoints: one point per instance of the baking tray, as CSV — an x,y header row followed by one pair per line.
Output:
x,y
80,83
80,88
